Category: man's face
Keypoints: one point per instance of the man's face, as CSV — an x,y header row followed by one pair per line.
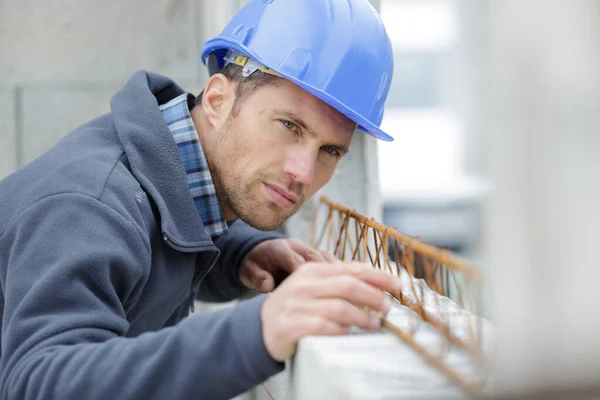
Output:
x,y
282,146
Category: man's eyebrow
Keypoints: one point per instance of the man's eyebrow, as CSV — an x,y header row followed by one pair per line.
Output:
x,y
296,119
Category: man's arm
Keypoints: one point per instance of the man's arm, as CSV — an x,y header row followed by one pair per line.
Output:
x,y
223,282
74,267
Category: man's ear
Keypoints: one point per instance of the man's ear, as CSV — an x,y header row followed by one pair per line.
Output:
x,y
217,99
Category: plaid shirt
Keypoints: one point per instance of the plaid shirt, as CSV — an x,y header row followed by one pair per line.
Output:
x,y
177,116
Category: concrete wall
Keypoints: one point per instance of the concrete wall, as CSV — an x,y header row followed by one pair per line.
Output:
x,y
8,129
61,61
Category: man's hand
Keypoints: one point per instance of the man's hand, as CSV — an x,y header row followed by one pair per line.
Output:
x,y
324,299
271,261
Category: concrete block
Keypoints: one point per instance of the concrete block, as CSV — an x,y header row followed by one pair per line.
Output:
x,y
360,367
379,366
276,387
85,41
8,131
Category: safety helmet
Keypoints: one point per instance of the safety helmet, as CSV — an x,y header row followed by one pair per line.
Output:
x,y
337,50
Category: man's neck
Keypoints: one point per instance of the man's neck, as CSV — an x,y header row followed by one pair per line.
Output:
x,y
202,128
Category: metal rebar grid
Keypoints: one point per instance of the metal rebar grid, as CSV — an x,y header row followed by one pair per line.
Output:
x,y
440,288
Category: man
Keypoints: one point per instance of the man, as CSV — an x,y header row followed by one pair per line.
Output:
x,y
107,238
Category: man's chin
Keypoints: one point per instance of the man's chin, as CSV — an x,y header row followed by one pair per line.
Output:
x,y
264,223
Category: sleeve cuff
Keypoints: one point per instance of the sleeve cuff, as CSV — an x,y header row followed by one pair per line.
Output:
x,y
248,331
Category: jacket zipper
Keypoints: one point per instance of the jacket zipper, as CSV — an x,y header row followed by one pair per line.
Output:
x,y
195,280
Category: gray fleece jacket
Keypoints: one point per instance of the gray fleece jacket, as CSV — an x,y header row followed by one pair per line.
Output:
x,y
101,254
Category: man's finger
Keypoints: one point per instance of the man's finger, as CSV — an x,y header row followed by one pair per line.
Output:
x,y
328,256
352,290
308,253
314,325
267,284
287,258
257,278
340,312
381,279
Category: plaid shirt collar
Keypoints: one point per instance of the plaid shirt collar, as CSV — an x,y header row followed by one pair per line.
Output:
x,y
177,116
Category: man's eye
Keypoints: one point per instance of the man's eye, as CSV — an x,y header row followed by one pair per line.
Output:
x,y
332,151
289,125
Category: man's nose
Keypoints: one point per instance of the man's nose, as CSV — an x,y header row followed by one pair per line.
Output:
x,y
300,165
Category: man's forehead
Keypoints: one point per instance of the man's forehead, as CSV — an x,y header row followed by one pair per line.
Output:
x,y
304,102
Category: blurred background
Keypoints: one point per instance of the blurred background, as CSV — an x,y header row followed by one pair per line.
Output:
x,y
495,111
427,187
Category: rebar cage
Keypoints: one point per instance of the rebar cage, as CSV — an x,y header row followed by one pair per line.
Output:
x,y
442,291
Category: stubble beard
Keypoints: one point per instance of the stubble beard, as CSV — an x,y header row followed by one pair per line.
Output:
x,y
239,198
236,195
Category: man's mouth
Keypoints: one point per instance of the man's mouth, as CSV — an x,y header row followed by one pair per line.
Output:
x,y
280,196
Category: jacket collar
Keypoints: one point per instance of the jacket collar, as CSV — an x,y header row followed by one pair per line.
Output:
x,y
154,158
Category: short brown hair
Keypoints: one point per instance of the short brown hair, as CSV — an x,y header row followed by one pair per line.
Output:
x,y
244,86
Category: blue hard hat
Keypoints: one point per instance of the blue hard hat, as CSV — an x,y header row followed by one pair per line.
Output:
x,y
337,50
